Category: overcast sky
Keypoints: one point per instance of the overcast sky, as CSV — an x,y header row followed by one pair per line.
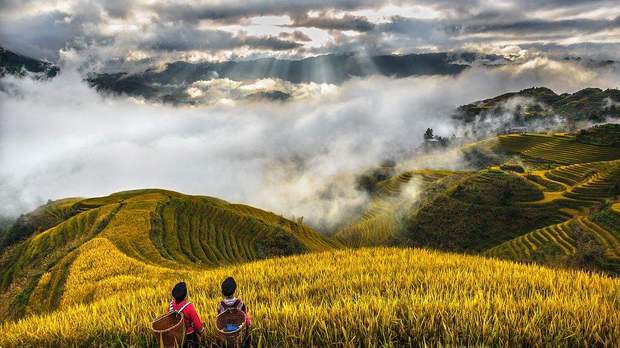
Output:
x,y
224,29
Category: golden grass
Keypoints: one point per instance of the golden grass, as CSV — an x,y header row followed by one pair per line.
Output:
x,y
370,297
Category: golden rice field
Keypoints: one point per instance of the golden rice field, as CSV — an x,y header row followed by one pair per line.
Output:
x,y
347,298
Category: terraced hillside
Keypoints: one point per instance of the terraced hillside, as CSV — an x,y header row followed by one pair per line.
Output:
x,y
479,211
588,238
36,221
587,241
155,227
604,135
418,208
554,149
94,271
550,187
382,221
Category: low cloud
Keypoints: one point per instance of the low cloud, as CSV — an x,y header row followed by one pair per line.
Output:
x,y
218,91
328,22
295,36
60,138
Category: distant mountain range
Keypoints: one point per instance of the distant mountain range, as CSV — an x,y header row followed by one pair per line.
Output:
x,y
16,64
589,104
168,83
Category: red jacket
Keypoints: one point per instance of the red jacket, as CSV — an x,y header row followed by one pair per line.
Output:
x,y
192,321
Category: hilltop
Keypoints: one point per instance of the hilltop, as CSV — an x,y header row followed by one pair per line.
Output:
x,y
591,104
603,135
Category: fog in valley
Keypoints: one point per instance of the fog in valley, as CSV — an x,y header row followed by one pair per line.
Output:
x,y
60,138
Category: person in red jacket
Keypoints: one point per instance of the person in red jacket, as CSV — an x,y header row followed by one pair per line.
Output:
x,y
193,325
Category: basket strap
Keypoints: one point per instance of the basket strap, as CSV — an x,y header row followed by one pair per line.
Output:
x,y
180,311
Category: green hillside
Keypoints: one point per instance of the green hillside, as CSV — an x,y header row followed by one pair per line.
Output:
x,y
156,227
533,185
455,211
381,222
604,135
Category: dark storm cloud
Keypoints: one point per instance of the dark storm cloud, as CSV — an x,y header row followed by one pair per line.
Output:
x,y
40,36
114,28
188,38
420,27
543,26
347,22
43,35
269,42
172,10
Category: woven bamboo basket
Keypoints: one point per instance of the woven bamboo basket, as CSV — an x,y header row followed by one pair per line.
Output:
x,y
169,330
234,338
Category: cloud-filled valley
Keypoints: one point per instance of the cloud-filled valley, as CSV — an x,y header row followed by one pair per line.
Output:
x,y
60,138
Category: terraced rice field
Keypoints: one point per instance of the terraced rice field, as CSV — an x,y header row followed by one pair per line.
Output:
x,y
555,239
579,190
563,240
585,185
381,221
561,150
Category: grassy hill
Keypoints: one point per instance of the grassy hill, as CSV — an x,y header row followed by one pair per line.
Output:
x,y
381,222
457,211
531,184
155,227
363,297
590,237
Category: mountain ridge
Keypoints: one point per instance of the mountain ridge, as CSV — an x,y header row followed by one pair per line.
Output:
x,y
16,64
588,104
